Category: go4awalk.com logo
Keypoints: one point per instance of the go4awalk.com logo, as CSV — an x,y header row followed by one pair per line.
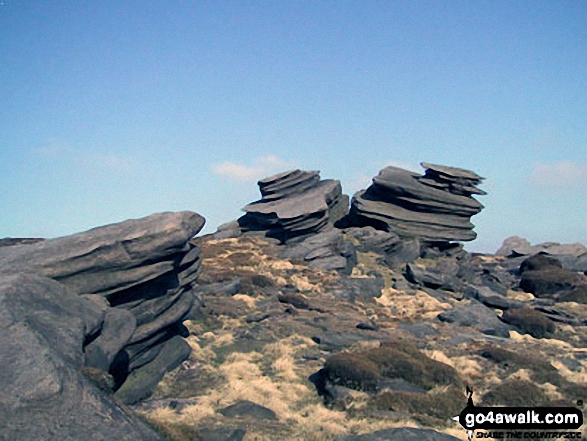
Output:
x,y
520,422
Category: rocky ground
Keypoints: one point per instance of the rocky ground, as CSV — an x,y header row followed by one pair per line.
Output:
x,y
285,351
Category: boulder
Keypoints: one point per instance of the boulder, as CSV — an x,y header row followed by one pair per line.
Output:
x,y
108,259
477,316
396,250
550,281
295,203
576,294
326,250
436,207
141,382
43,394
491,298
435,274
518,246
529,321
538,262
245,408
119,325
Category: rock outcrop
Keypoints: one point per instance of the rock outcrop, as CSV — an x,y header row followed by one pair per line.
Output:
x,y
43,394
295,203
435,207
518,246
139,274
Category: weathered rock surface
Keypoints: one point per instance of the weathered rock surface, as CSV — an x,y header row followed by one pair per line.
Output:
x,y
295,203
43,395
543,276
327,250
436,207
477,316
518,246
144,269
248,409
438,274
108,259
491,298
396,250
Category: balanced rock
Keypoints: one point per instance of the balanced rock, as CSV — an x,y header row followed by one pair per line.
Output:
x,y
295,203
435,207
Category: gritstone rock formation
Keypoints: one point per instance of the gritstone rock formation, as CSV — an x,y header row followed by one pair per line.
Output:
x,y
295,203
137,277
43,394
435,207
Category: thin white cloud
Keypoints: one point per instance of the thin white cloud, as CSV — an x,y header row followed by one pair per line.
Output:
x,y
260,168
402,164
562,174
89,160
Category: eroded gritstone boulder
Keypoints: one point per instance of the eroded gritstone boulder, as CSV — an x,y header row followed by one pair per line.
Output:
x,y
434,207
295,203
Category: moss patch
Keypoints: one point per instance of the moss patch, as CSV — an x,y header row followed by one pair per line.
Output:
x,y
529,321
515,393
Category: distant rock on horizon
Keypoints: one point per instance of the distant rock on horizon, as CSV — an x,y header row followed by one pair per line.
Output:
x,y
434,207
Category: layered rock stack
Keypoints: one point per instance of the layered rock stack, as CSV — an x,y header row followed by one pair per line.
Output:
x,y
435,207
295,203
138,276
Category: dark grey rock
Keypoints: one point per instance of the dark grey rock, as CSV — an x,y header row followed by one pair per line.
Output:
x,y
248,409
400,434
295,204
326,250
518,246
362,288
108,259
368,326
550,281
490,298
538,262
228,230
257,318
141,382
437,274
435,207
43,395
228,288
395,249
574,263
117,330
419,330
477,316
174,314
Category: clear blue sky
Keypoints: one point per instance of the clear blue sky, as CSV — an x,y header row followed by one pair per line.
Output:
x,y
117,109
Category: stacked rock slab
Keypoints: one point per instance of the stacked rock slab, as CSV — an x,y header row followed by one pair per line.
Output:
x,y
140,272
435,207
295,203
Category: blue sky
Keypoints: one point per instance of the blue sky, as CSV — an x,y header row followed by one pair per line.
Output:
x,y
112,110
